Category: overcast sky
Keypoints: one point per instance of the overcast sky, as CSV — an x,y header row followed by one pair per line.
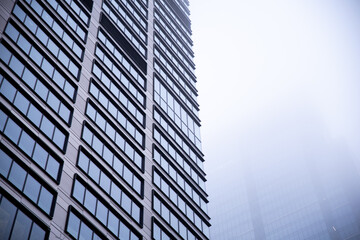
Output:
x,y
279,72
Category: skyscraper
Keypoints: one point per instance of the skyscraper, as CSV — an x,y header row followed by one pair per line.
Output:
x,y
99,121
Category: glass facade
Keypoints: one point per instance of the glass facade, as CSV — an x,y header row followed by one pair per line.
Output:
x,y
99,125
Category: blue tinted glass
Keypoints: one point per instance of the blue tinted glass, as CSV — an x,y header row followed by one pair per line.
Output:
x,y
7,216
21,103
22,226
3,119
40,156
8,90
94,172
26,143
17,176
47,127
90,202
73,225
41,90
4,54
12,130
113,223
53,167
37,233
45,200
29,78
53,101
59,138
35,115
124,231
64,112
85,232
4,163
36,56
32,188
101,213
79,192
25,45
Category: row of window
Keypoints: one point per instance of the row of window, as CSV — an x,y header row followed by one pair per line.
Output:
x,y
115,135
118,93
189,103
118,114
188,189
68,88
120,57
178,115
173,25
163,73
110,157
177,47
174,17
173,134
119,75
79,229
33,113
175,222
38,87
176,199
26,183
67,18
52,24
109,185
133,11
183,6
173,173
194,175
174,59
53,47
129,19
16,224
118,22
173,71
79,12
103,213
30,146
158,233
160,24
139,6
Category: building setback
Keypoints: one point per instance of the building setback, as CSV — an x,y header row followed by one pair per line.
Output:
x,y
99,121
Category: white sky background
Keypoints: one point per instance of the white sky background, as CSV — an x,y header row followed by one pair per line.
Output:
x,y
267,68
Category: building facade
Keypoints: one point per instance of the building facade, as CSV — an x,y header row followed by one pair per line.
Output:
x,y
99,121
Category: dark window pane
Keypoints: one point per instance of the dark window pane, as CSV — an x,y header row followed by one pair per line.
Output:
x,y
36,56
32,188
126,203
53,167
22,227
113,223
5,162
64,112
41,90
90,202
17,176
94,172
40,156
73,225
29,78
35,115
3,118
25,45
8,90
105,182
26,143
21,103
115,192
124,232
48,68
53,101
47,127
59,138
7,216
45,200
85,232
79,192
37,233
101,213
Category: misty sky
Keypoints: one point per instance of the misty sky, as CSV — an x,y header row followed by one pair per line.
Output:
x,y
273,77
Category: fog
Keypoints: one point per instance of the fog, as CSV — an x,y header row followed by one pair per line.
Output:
x,y
279,94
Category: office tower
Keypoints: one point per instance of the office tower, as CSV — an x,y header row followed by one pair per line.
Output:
x,y
292,187
99,121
